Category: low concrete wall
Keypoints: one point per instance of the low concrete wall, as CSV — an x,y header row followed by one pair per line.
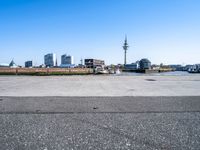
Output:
x,y
44,71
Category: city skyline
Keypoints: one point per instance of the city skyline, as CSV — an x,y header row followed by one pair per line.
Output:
x,y
163,31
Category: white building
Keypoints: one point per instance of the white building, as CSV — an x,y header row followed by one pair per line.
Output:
x,y
67,60
4,65
50,60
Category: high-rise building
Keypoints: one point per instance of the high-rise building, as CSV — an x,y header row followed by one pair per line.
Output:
x,y
50,60
67,60
28,64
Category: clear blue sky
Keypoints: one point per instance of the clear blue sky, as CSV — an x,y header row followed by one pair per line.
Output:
x,y
165,31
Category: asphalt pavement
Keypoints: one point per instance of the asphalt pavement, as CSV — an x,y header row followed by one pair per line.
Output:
x,y
47,123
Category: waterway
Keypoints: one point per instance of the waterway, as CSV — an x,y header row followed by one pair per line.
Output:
x,y
173,73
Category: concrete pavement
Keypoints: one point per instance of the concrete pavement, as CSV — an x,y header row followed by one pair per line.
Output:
x,y
100,85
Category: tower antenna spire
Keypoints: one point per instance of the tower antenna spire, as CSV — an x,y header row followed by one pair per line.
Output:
x,y
125,47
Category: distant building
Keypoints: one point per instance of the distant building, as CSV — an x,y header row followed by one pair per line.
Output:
x,y
176,67
67,60
4,65
81,64
132,67
67,66
155,67
93,63
194,68
42,66
145,64
187,67
50,60
12,64
28,64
